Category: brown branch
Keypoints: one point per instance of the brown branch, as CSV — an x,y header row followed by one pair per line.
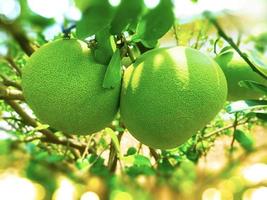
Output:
x,y
19,35
10,94
230,41
155,155
113,158
67,142
49,135
13,65
8,82
25,117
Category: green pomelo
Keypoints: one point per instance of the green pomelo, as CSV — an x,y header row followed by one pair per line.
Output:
x,y
169,94
62,84
236,70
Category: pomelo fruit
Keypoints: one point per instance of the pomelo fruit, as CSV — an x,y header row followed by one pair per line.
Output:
x,y
62,84
236,70
169,94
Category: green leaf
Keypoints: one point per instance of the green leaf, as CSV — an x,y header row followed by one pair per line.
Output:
x,y
139,164
43,174
156,22
135,171
55,158
224,49
98,168
245,140
42,155
141,160
254,86
260,41
128,12
247,105
137,160
92,158
95,18
131,151
262,116
165,167
114,140
105,46
258,60
41,127
82,163
193,155
113,74
128,160
150,43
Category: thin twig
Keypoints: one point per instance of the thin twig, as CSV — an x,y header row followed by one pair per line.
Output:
x,y
87,147
239,37
49,135
7,82
13,65
175,34
234,126
215,46
154,154
228,39
139,147
113,158
233,137
216,132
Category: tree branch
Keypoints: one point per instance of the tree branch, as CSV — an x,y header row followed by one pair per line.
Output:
x,y
10,94
49,135
223,129
19,35
230,41
13,65
155,155
113,158
8,82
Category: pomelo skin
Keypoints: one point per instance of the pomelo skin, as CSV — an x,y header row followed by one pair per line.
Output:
x,y
236,70
63,85
169,94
